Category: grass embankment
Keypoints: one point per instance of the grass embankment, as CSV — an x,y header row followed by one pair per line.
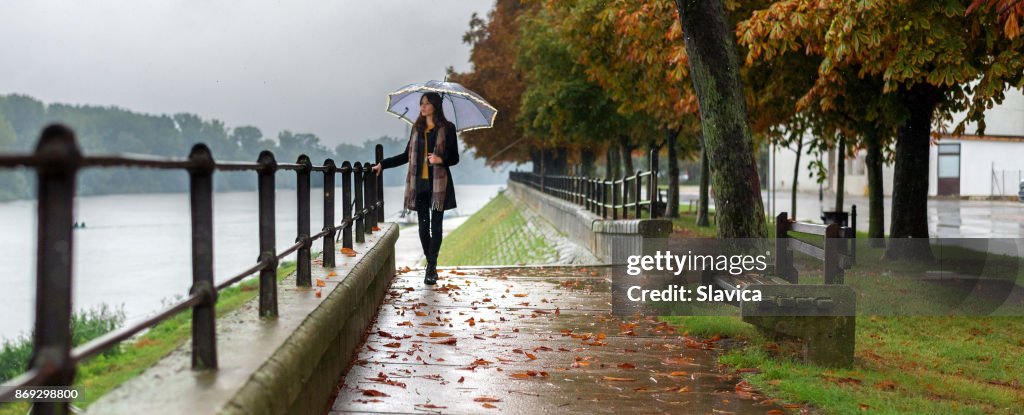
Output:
x,y
924,365
497,234
105,372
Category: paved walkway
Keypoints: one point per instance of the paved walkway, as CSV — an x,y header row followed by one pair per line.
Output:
x,y
409,252
529,341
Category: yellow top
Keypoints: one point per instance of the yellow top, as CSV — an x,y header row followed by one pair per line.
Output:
x,y
426,152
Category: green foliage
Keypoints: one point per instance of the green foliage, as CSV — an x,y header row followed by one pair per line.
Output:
x,y
560,103
895,44
14,357
13,184
85,326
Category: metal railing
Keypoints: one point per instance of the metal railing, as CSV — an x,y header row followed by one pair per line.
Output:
x,y
604,197
58,159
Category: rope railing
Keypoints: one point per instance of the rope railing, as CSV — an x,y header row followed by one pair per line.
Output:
x,y
608,198
57,160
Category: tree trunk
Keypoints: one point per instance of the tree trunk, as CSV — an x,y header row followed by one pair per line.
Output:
x,y
536,160
627,155
840,173
714,70
876,193
672,204
587,162
612,162
705,181
908,232
554,160
796,176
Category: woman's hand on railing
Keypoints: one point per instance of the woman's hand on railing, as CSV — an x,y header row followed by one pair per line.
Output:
x,y
377,168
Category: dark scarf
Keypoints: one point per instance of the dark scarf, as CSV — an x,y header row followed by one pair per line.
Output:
x,y
440,180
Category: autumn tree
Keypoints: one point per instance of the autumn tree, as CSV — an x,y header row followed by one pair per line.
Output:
x,y
560,107
715,73
493,76
632,49
931,58
1009,12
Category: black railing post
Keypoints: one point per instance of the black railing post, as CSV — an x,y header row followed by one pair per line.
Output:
x,y
853,234
615,200
357,184
636,195
783,254
329,188
346,203
574,188
303,265
204,314
604,199
592,194
623,197
59,160
370,192
268,253
378,152
652,191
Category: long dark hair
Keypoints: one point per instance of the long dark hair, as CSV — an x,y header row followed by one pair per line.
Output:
x,y
435,100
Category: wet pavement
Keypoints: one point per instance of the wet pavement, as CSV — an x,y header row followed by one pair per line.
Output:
x,y
528,341
947,218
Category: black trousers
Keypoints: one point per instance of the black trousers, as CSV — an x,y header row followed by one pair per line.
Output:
x,y
430,224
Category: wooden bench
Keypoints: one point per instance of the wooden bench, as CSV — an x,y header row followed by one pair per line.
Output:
x,y
822,316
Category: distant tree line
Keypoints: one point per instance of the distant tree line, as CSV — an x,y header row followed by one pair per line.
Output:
x,y
107,130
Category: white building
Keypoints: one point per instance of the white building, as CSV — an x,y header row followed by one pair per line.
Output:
x,y
969,165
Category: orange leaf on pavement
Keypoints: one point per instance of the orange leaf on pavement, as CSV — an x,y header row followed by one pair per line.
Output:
x,y
374,392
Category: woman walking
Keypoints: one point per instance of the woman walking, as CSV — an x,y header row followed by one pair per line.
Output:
x,y
429,190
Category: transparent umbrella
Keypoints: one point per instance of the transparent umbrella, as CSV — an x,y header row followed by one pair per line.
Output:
x,y
465,108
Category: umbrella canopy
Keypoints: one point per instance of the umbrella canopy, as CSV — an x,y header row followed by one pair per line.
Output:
x,y
465,108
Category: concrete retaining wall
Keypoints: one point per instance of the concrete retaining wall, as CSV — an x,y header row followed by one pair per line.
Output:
x,y
288,365
611,241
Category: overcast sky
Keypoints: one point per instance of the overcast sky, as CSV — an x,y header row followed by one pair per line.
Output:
x,y
309,66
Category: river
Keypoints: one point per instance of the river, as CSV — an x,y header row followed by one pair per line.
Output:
x,y
134,251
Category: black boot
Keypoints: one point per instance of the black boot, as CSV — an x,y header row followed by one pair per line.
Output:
x,y
431,277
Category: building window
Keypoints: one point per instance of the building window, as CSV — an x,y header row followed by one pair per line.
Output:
x,y
949,160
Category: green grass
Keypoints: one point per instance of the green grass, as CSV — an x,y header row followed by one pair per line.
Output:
x,y
685,226
935,364
926,365
105,372
497,234
85,325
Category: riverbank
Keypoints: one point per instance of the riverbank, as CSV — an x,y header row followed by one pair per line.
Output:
x,y
504,232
